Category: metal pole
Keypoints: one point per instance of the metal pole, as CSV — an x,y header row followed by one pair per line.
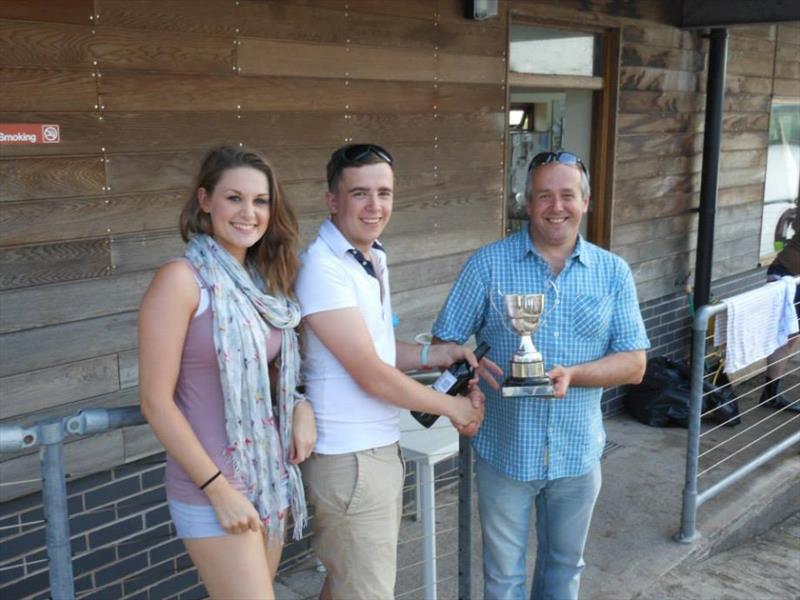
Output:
x,y
427,506
465,519
688,531
97,420
712,136
56,514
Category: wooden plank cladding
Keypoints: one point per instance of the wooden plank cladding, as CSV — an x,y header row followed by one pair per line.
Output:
x,y
33,265
30,178
55,45
787,59
36,390
34,89
350,61
71,218
129,92
141,90
660,143
80,12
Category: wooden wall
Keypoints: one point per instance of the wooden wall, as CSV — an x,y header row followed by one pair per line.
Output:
x,y
141,89
661,120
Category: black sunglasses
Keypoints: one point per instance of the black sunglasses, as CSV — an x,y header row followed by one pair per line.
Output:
x,y
358,152
565,158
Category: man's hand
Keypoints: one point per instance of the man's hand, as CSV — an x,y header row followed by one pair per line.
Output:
x,y
561,376
490,372
445,354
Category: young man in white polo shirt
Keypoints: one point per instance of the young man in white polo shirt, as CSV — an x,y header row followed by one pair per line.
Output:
x,y
353,374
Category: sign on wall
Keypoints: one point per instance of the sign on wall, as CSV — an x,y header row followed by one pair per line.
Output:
x,y
29,133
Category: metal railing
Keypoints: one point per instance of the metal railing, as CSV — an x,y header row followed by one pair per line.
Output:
x,y
50,434
756,427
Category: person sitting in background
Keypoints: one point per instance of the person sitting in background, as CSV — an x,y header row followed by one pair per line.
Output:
x,y
786,263
218,370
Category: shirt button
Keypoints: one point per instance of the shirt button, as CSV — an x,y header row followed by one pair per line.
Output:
x,y
555,334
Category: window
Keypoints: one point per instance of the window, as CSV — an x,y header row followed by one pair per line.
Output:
x,y
554,52
782,184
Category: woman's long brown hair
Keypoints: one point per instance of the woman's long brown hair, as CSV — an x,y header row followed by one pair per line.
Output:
x,y
276,253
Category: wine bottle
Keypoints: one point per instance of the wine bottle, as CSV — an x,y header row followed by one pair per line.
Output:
x,y
453,382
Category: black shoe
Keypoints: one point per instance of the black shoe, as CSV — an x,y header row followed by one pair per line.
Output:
x,y
772,397
780,401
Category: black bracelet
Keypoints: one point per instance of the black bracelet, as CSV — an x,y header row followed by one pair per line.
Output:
x,y
212,478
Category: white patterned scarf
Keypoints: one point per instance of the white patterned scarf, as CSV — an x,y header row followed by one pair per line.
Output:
x,y
242,309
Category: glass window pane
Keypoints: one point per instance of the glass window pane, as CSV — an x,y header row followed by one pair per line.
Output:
x,y
515,117
560,120
554,51
783,177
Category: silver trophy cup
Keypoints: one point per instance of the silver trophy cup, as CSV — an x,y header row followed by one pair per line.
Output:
x,y
527,378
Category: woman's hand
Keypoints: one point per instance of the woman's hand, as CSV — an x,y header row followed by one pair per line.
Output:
x,y
236,514
304,432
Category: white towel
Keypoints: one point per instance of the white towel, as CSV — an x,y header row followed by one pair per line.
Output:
x,y
756,323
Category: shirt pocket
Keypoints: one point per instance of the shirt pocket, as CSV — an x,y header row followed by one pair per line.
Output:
x,y
591,316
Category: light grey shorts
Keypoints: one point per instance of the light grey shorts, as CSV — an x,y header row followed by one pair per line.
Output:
x,y
200,520
195,520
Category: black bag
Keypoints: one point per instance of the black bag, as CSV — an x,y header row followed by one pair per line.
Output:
x,y
662,399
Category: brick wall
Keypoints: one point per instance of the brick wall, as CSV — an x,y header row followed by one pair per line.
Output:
x,y
122,540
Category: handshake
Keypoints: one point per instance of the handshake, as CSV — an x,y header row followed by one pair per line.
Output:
x,y
460,380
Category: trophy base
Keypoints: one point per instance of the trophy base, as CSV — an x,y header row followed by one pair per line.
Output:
x,y
535,387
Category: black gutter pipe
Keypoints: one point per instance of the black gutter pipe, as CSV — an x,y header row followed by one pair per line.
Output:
x,y
712,139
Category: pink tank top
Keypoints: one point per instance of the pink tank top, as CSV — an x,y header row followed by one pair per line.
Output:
x,y
198,395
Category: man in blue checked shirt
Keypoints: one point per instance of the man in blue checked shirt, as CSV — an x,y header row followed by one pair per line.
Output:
x,y
546,451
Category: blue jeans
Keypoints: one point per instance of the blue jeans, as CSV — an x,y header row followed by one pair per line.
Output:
x,y
563,512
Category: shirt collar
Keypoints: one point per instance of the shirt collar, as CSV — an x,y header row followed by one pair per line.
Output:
x,y
331,235
527,248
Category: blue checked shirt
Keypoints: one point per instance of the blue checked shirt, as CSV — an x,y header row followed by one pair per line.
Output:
x,y
591,310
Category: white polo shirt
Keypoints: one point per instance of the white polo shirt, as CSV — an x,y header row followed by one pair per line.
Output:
x,y
330,278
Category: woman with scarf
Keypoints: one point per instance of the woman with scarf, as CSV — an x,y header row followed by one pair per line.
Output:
x,y
218,370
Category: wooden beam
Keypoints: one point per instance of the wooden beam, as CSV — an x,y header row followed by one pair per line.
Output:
x,y
720,13
572,82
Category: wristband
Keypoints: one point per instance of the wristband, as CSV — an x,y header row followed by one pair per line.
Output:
x,y
210,479
423,354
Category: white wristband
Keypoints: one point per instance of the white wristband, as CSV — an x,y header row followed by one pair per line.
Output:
x,y
423,354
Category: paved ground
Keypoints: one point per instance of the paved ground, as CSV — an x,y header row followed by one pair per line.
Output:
x,y
630,548
766,567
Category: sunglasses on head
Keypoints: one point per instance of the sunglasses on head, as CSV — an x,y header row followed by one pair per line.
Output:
x,y
565,158
358,152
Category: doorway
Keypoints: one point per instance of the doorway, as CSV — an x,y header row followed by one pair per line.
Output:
x,y
562,86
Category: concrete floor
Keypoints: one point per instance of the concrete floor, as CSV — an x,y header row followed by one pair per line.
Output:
x,y
630,547
766,567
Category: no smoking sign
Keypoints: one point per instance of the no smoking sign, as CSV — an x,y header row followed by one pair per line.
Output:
x,y
29,133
